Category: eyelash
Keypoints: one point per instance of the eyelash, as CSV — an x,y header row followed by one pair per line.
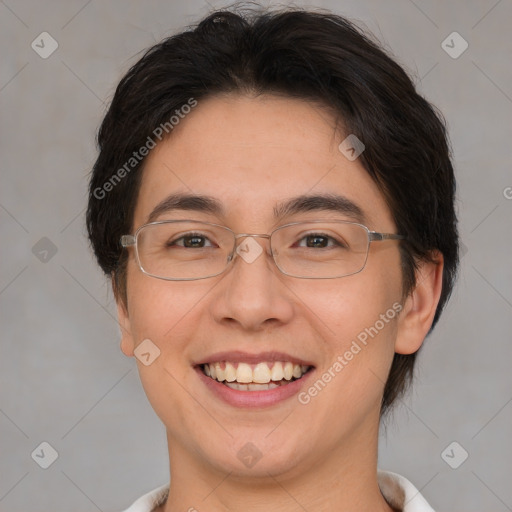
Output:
x,y
321,235
186,235
301,239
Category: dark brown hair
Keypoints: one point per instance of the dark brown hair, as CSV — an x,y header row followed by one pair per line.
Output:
x,y
313,56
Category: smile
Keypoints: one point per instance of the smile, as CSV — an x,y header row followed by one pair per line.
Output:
x,y
261,376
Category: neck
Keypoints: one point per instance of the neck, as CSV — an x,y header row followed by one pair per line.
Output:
x,y
344,479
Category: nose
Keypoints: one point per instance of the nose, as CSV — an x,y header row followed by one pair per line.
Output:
x,y
252,294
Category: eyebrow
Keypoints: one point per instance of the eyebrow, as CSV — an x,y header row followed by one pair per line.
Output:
x,y
320,202
300,204
191,202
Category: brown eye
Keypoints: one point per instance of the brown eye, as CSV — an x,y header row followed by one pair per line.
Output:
x,y
191,241
316,241
320,241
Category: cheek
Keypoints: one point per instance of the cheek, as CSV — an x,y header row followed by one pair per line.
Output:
x,y
357,319
358,332
160,310
164,312
358,349
347,306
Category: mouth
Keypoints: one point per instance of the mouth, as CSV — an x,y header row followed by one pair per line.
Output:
x,y
261,376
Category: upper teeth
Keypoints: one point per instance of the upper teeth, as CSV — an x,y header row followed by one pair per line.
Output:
x,y
260,373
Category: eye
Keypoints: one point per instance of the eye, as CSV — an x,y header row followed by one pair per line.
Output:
x,y
191,241
319,241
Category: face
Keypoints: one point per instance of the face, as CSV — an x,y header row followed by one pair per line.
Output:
x,y
253,155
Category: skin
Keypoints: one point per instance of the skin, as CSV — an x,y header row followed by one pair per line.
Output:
x,y
252,153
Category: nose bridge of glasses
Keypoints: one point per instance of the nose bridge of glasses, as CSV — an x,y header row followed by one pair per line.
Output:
x,y
243,236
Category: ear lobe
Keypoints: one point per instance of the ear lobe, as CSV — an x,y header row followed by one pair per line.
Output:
x,y
420,306
127,342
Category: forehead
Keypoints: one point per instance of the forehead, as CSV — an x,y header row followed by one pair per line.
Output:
x,y
253,154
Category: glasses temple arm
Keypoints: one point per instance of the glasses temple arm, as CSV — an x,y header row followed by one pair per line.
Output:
x,y
376,237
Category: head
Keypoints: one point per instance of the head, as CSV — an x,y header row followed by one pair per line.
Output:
x,y
249,109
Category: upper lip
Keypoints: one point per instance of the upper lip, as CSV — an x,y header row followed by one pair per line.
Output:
x,y
237,356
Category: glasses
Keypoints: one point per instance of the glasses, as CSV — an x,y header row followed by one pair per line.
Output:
x,y
186,250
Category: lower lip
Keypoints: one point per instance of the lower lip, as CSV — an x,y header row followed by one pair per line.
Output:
x,y
264,398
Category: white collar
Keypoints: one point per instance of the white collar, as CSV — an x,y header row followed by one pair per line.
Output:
x,y
397,490
401,494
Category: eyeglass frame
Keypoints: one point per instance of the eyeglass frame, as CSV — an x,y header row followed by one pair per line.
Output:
x,y
127,241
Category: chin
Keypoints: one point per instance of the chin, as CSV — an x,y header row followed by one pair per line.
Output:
x,y
256,456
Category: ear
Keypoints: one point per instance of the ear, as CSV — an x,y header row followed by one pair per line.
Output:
x,y
123,319
127,342
417,315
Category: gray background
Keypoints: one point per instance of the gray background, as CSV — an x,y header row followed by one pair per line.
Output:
x,y
63,377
